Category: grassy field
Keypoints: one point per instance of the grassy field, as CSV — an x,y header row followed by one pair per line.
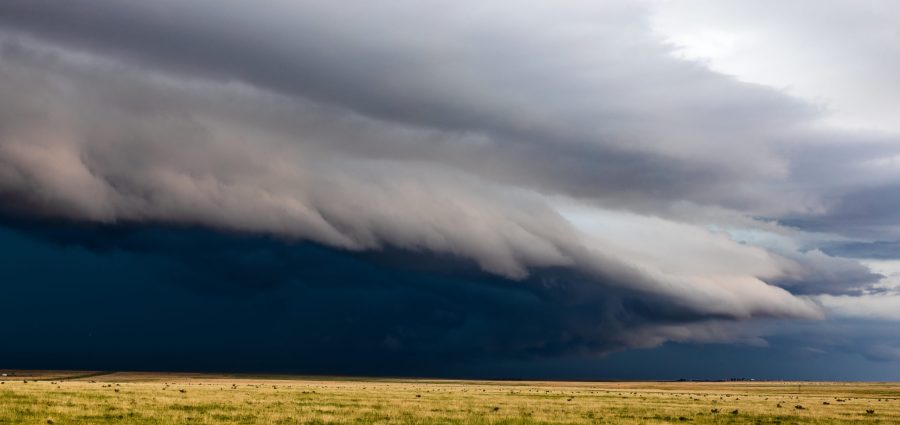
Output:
x,y
148,398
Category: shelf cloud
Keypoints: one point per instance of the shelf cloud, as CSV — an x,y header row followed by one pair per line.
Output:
x,y
597,191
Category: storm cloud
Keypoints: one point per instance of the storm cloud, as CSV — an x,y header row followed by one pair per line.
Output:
x,y
595,191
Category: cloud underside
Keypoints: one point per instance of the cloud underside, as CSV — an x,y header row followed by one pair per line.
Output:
x,y
562,150
302,307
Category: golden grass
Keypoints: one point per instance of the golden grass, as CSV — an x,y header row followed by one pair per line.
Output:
x,y
149,398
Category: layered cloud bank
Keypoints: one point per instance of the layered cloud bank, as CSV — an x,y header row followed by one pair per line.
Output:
x,y
565,148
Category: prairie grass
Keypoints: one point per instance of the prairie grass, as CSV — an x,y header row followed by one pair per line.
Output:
x,y
148,398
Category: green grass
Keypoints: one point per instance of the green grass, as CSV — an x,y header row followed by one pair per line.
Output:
x,y
142,398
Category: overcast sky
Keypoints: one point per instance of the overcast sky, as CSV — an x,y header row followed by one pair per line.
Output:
x,y
454,188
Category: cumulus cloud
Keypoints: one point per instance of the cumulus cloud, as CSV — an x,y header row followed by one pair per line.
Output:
x,y
559,144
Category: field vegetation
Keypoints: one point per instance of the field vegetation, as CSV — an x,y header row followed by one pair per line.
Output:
x,y
151,398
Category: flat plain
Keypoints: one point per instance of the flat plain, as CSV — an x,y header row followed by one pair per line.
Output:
x,y
36,397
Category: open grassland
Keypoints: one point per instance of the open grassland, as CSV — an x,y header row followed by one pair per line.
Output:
x,y
148,398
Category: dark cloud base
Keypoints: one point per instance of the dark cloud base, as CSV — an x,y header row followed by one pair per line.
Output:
x,y
129,297
175,298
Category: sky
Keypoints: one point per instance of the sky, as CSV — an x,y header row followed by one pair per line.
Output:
x,y
640,189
